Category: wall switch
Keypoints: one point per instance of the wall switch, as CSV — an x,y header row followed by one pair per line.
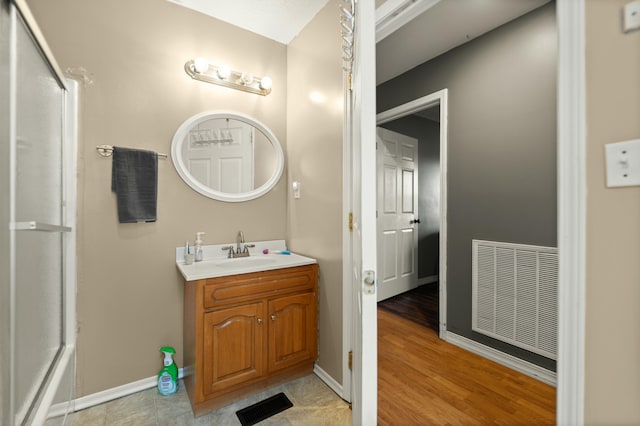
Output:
x,y
631,16
623,163
296,189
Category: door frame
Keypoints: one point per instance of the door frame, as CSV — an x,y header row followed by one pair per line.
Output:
x,y
438,98
572,194
571,113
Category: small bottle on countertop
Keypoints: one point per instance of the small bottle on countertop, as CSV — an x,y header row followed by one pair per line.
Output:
x,y
198,246
188,256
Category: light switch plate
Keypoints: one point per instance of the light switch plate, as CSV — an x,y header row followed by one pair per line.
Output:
x,y
631,16
623,163
296,189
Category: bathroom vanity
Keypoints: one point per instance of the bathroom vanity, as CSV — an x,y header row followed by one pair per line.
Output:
x,y
249,324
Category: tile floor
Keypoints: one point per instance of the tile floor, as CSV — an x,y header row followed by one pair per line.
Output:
x,y
314,403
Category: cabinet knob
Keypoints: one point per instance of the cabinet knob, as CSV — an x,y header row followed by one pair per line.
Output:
x,y
273,317
260,321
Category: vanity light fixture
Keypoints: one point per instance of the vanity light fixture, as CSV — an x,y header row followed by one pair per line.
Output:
x,y
203,70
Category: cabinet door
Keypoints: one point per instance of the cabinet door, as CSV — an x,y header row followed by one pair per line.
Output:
x,y
233,347
292,330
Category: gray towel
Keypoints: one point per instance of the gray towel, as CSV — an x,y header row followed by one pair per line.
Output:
x,y
134,179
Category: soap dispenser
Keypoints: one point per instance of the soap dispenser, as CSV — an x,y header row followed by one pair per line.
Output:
x,y
198,246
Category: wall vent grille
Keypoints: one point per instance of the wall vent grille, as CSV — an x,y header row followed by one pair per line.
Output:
x,y
515,295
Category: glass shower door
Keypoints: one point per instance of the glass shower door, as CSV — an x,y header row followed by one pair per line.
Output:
x,y
37,229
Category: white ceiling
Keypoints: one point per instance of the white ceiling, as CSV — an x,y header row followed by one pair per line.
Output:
x,y
279,20
445,25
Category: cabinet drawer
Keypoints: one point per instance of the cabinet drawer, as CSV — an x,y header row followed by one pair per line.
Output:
x,y
247,287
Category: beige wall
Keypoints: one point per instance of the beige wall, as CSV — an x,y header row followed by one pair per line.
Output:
x,y
612,376
129,291
314,135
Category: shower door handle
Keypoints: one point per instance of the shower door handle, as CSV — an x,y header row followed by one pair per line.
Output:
x,y
38,226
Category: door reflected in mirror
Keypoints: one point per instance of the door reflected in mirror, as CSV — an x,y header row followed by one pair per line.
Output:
x,y
227,156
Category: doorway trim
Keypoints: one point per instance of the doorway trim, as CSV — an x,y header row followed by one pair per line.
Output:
x,y
570,18
424,102
572,194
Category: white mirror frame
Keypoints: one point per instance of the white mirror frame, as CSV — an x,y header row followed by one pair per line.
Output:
x,y
181,168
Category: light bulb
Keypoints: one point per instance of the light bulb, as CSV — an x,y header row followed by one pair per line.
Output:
x,y
247,78
224,72
266,83
201,65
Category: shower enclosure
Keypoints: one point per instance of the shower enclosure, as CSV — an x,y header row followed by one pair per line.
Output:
x,y
37,214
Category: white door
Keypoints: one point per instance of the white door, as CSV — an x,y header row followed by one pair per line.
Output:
x,y
397,157
363,197
219,154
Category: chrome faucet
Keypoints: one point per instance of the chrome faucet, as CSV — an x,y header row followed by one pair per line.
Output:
x,y
239,251
239,241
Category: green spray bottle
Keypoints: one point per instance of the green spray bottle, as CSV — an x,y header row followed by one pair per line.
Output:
x,y
168,376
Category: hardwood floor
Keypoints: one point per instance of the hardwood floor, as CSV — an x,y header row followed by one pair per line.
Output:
x,y
419,305
423,380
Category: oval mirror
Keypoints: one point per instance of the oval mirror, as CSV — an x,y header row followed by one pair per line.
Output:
x,y
227,156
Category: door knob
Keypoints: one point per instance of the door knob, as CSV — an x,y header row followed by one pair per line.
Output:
x,y
260,321
369,279
273,317
414,221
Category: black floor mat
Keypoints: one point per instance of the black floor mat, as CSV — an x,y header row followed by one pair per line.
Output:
x,y
264,409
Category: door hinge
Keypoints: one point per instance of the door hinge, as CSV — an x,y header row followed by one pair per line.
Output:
x,y
350,360
350,221
350,81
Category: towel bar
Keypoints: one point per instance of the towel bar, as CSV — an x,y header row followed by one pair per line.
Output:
x,y
107,151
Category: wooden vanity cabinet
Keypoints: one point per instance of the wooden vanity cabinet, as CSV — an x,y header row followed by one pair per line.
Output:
x,y
245,333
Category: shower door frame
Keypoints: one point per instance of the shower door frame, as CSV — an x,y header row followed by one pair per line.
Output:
x,y
65,357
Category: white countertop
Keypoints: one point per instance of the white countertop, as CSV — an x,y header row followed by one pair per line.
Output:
x,y
216,264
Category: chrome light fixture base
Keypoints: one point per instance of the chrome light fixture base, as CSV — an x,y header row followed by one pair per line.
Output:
x,y
199,69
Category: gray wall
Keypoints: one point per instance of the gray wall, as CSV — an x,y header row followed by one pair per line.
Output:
x,y
428,134
501,147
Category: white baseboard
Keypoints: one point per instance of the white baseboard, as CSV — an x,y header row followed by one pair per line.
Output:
x,y
97,398
428,280
517,364
330,381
